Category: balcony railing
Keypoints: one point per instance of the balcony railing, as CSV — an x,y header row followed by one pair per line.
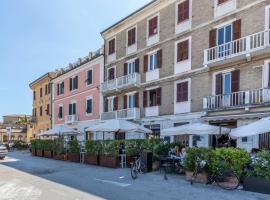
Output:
x,y
238,47
121,82
128,114
71,119
237,99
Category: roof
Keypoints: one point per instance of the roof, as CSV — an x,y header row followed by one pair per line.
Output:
x,y
40,78
130,15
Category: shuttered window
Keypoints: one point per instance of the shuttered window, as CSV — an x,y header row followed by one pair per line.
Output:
x,y
40,92
182,92
72,109
112,46
183,11
34,95
153,26
89,106
115,103
111,74
182,51
60,112
237,29
48,109
40,111
89,78
132,36
73,83
212,38
221,1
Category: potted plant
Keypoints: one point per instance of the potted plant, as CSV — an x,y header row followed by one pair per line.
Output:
x,y
258,179
160,149
59,152
92,152
39,148
109,153
73,151
34,147
133,148
48,148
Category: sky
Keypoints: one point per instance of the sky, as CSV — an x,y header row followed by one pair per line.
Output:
x,y
38,36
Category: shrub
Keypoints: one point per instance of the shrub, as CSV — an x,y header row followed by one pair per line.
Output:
x,y
110,147
74,146
230,158
133,147
58,145
261,165
20,145
39,144
47,145
33,144
93,147
161,149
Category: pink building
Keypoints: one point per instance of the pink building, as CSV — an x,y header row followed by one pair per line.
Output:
x,y
77,101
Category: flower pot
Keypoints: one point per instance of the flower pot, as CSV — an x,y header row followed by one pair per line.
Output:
x,y
48,154
40,153
109,161
91,159
257,184
201,177
73,157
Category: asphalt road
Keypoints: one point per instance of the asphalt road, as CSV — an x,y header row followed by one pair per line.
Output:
x,y
23,177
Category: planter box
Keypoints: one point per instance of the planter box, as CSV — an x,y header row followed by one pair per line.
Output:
x,y
257,184
109,161
73,157
34,152
48,154
40,153
201,177
130,159
91,159
63,157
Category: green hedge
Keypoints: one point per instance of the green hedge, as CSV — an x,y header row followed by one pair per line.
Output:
x,y
74,146
93,147
47,145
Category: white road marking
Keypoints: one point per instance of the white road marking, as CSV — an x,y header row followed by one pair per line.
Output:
x,y
113,182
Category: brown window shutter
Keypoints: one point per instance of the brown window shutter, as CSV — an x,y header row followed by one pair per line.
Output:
x,y
221,1
237,29
185,91
182,50
182,92
145,93
125,102
159,58
129,37
115,103
219,84
133,35
212,38
145,64
159,96
183,11
235,81
179,92
136,96
106,105
137,65
125,69
269,76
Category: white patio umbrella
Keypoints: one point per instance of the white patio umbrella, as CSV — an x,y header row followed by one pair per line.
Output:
x,y
119,126
256,128
59,130
195,129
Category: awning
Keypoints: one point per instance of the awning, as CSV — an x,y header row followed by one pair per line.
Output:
x,y
59,130
256,128
195,129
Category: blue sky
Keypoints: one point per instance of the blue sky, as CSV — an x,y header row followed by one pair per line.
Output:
x,y
38,36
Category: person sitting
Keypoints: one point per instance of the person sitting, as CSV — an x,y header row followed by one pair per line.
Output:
x,y
253,153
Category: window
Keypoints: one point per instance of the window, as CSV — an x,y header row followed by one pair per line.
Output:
x,y
152,65
131,67
48,109
132,36
182,92
34,95
154,98
89,78
224,34
73,83
112,46
72,109
40,111
111,73
182,51
89,106
110,104
131,101
47,89
60,88
60,112
227,83
183,11
221,1
153,26
34,112
40,92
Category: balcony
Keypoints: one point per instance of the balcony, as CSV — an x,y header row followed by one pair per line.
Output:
x,y
120,83
238,49
242,99
127,114
71,119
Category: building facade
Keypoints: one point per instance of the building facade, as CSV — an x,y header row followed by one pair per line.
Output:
x,y
42,106
76,97
174,62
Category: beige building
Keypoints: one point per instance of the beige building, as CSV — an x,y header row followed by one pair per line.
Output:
x,y
174,62
42,106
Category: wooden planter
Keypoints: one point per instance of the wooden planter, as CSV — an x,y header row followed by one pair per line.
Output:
x,y
73,157
257,184
34,152
48,154
91,159
109,161
201,177
40,153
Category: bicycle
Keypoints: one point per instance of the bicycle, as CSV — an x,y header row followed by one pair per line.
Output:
x,y
137,167
225,179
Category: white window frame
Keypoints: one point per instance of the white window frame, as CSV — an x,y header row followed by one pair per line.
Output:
x,y
267,14
154,38
131,61
149,61
111,57
130,94
223,26
60,105
185,25
111,104
73,102
90,69
221,9
89,98
132,48
59,88
73,77
214,78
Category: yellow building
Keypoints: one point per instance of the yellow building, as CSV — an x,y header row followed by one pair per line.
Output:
x,y
42,106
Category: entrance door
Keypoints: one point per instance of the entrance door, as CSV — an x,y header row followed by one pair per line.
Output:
x,y
224,38
227,89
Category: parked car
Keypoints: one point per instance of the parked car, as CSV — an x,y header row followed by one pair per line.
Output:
x,y
3,151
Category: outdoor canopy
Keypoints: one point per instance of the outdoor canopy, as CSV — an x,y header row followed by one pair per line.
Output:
x,y
59,130
256,128
120,126
195,129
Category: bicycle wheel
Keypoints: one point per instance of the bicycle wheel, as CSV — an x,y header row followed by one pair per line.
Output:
x,y
227,180
134,173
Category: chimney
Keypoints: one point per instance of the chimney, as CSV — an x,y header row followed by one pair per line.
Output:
x,y
90,55
79,61
70,65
